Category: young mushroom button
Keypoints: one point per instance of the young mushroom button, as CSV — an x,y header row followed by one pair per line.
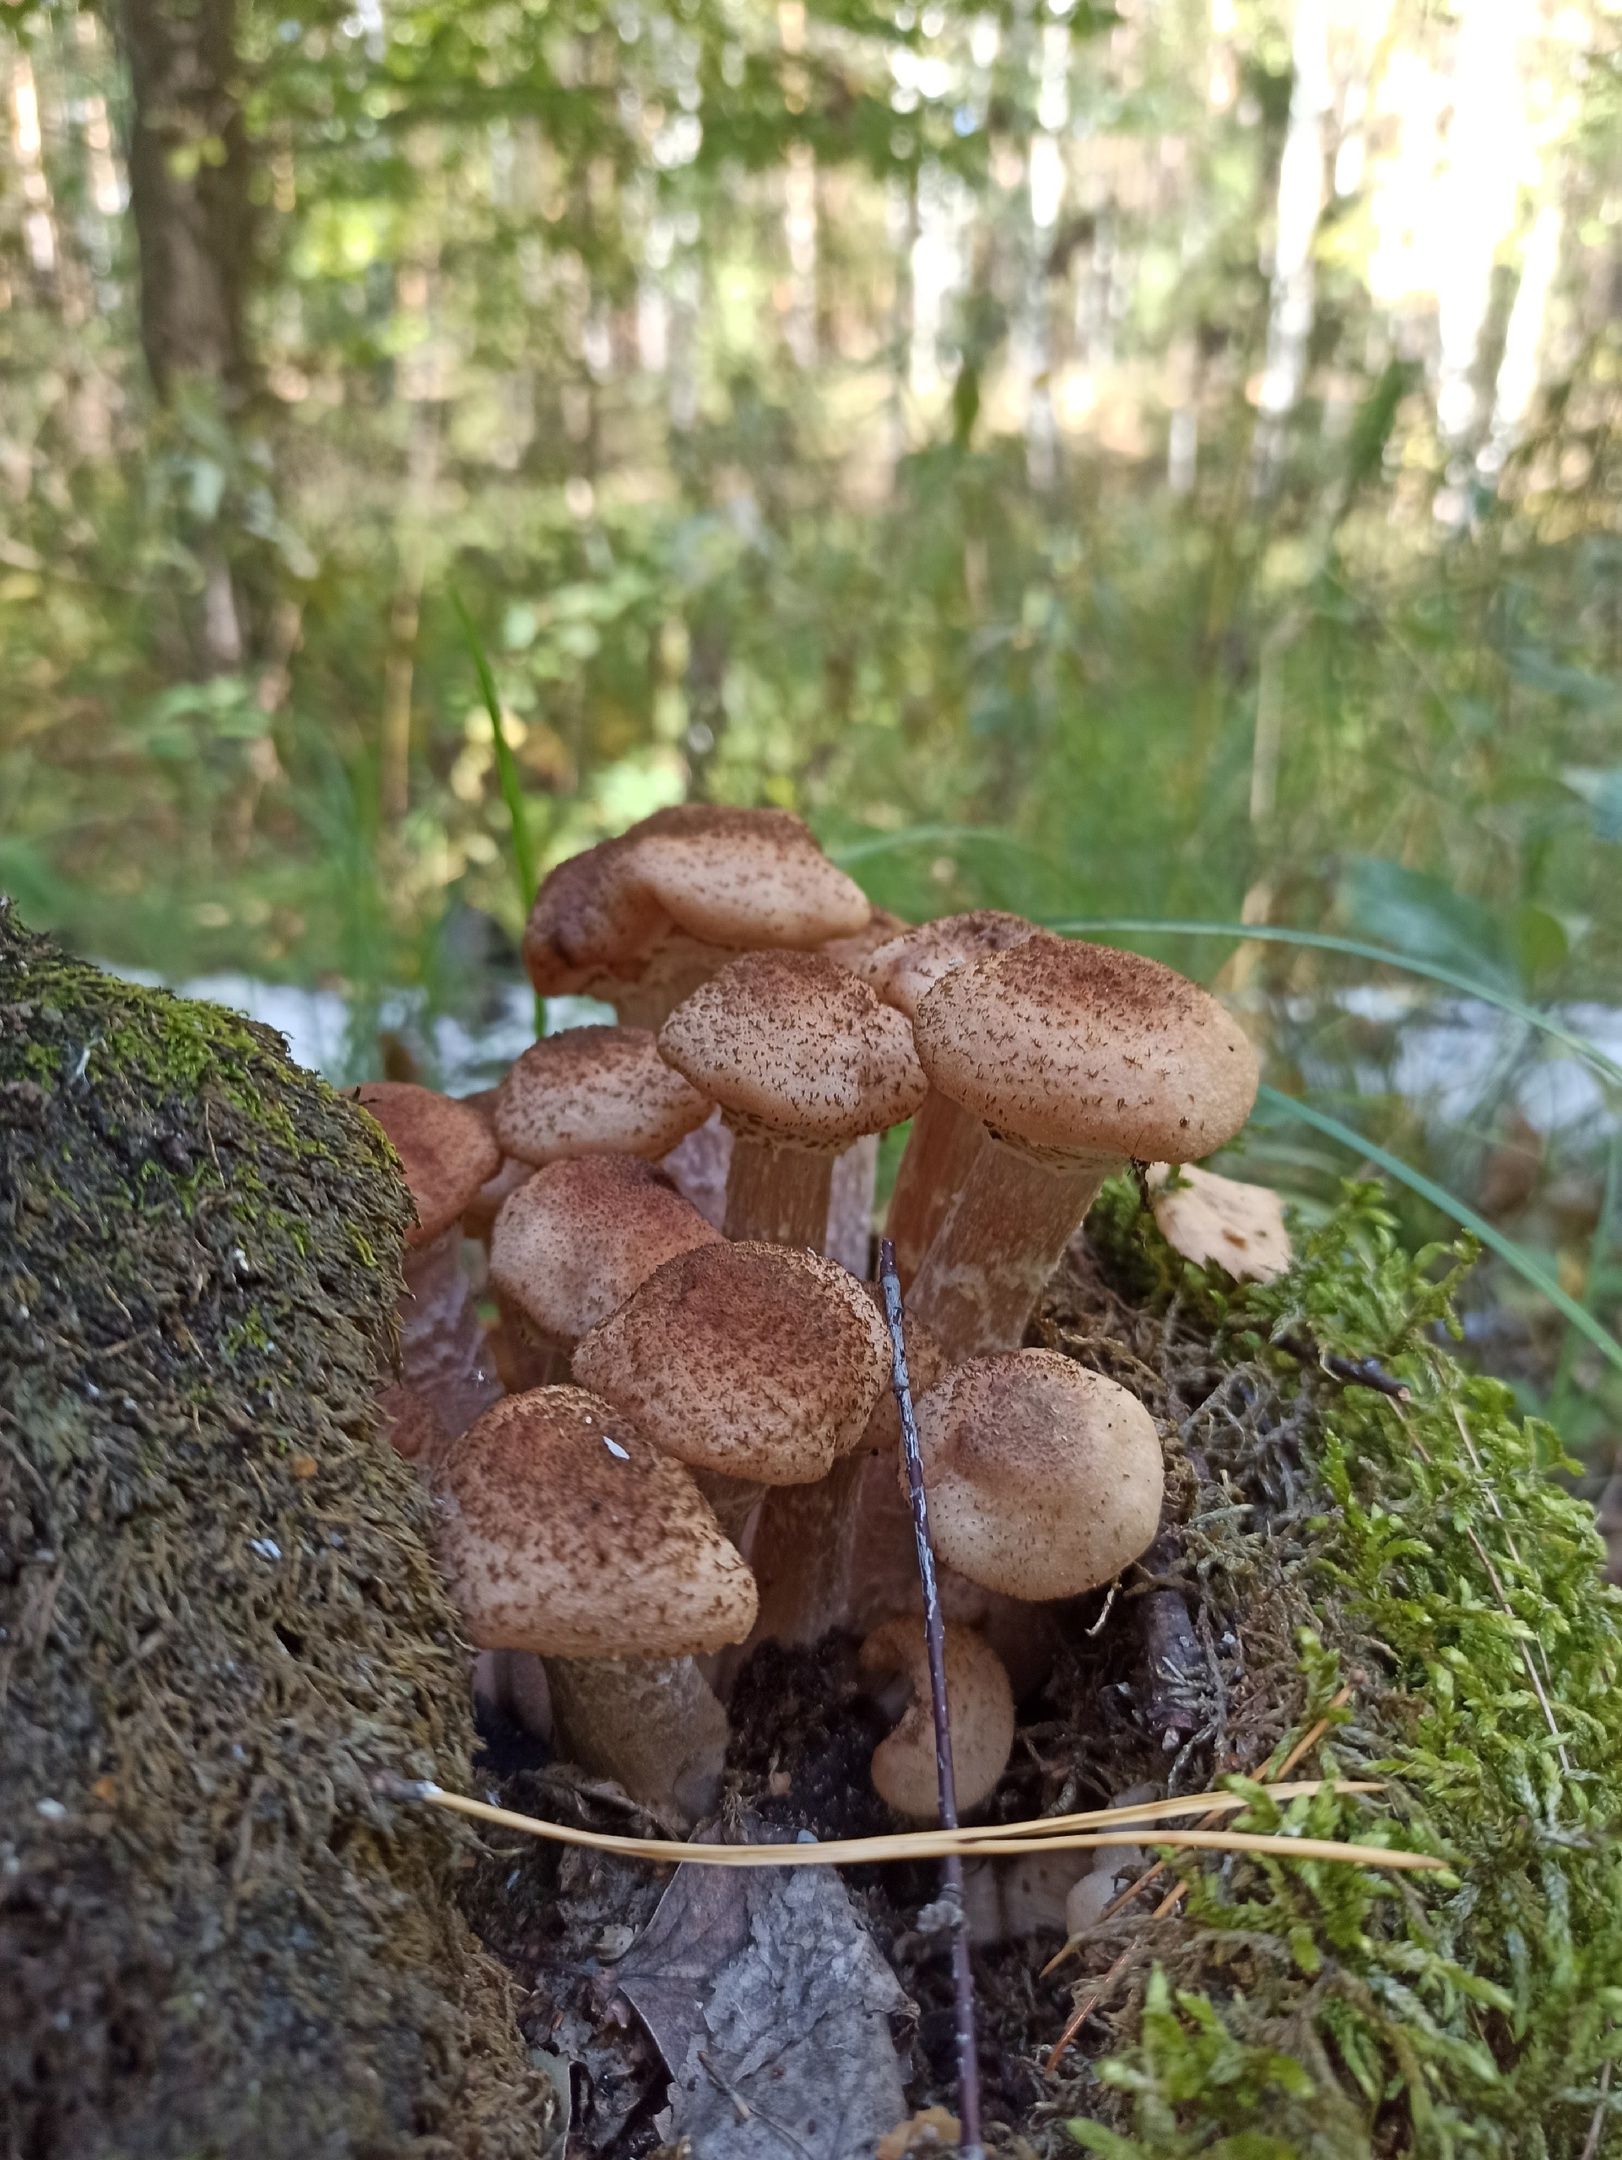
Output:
x,y
1045,1479
1076,1059
979,1703
803,1060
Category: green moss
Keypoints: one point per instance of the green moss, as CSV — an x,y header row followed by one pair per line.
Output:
x,y
1426,1555
219,1618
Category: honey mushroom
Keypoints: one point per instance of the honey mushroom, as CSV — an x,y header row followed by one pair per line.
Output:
x,y
643,919
980,1709
573,1243
564,1532
945,1137
1076,1059
757,1365
1045,1479
804,1061
587,1091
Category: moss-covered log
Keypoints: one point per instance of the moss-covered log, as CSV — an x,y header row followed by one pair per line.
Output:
x,y
1410,1581
218,1618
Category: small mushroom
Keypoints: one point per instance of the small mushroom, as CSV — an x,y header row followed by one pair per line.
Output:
x,y
565,1532
756,1364
1077,1059
642,919
446,1154
594,1091
1044,1479
979,1704
945,1138
1221,1222
803,1060
574,1242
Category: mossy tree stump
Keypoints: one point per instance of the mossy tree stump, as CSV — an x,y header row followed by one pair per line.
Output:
x,y
219,1619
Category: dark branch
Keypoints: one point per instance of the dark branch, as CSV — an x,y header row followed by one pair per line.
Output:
x,y
968,2060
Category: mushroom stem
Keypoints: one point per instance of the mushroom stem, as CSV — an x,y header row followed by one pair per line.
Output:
x,y
652,1724
442,1348
1001,1238
941,1150
778,1195
850,1206
804,1552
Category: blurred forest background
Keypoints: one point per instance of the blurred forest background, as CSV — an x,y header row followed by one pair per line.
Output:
x,y
1145,465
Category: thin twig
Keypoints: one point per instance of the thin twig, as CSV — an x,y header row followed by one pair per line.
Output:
x,y
1596,2128
968,2060
1350,1372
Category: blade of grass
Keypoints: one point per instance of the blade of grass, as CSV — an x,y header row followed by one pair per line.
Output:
x,y
508,779
1328,941
857,851
1513,1255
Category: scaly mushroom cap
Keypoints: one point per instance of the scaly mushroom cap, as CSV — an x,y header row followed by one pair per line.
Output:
x,y
1079,1049
744,877
796,1048
913,962
1221,1222
578,1238
594,1091
979,1702
760,1362
563,1530
444,1149
719,877
1044,1479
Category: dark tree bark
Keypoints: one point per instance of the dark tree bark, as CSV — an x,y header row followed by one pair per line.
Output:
x,y
189,197
188,167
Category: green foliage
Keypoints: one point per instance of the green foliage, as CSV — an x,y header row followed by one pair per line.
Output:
x,y
1320,2012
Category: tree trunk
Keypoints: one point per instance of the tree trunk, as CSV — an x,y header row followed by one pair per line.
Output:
x,y
188,166
188,172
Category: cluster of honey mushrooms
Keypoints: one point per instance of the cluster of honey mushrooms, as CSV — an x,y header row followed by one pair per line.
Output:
x,y
679,1437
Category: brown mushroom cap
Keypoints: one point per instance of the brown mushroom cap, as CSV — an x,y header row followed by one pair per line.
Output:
x,y
574,1241
1044,1479
594,1091
744,877
795,1047
443,1146
563,1530
722,877
911,963
1221,1222
1082,1050
980,1704
759,1362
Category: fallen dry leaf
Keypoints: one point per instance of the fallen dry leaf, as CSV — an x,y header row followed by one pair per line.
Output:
x,y
771,2009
